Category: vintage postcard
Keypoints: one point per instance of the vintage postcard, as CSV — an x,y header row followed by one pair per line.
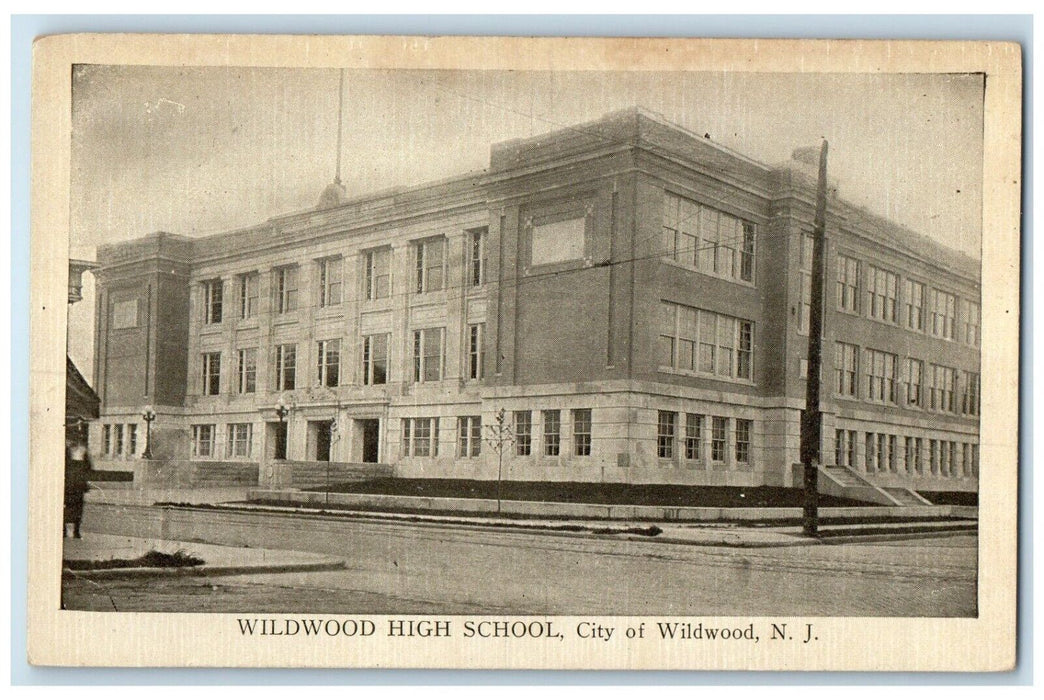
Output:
x,y
524,353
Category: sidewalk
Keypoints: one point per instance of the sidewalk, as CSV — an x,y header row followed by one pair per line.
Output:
x,y
219,560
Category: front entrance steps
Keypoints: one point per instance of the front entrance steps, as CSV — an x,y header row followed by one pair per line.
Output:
x,y
847,483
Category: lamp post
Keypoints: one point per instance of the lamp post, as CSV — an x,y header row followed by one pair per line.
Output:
x,y
148,415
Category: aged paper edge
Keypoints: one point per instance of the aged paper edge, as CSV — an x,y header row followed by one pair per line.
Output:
x,y
986,643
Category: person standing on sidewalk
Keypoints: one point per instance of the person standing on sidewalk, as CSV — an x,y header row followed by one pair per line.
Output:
x,y
77,474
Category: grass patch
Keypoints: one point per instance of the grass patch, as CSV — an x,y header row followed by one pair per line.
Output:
x,y
150,560
669,495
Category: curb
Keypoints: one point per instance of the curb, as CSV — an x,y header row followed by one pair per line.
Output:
x,y
202,571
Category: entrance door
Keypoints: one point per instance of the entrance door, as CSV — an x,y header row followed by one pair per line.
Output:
x,y
371,432
323,429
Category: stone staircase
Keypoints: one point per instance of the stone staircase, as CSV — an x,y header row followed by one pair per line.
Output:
x,y
310,475
847,483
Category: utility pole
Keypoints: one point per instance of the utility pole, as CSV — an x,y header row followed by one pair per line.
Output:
x,y
499,436
812,417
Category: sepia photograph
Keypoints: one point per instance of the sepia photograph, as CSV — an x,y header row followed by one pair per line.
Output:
x,y
413,352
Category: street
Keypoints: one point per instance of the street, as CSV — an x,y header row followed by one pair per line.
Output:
x,y
426,569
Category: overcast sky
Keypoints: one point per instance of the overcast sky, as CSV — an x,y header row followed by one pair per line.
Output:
x,y
202,150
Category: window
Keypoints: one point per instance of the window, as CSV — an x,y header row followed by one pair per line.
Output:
x,y
707,239
851,448
941,395
375,359
880,376
552,432
238,444
665,426
913,305
693,435
914,381
107,439
331,273
125,314
476,331
469,436
203,441
420,437
839,448
743,431
582,432
430,259
523,433
211,373
117,439
246,371
132,438
966,459
557,241
378,273
933,456
847,284
845,369
892,454
476,241
970,323
719,426
285,289
286,367
805,306
970,393
212,301
871,452
882,288
329,362
427,355
694,340
882,452
944,457
248,294
919,455
941,312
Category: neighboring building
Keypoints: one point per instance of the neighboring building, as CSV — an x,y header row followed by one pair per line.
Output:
x,y
634,296
81,403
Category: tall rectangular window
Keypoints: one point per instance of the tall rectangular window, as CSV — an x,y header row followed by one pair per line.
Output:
x,y
285,289
845,358
375,359
286,367
248,284
840,454
707,239
107,439
851,448
117,439
246,371
942,312
331,274
469,436
847,284
882,290
893,457
378,273
913,305
476,331
582,432
880,376
211,373
329,362
665,432
420,437
427,354
870,452
805,305
476,241
970,393
203,441
212,301
552,432
238,444
941,395
744,428
970,323
132,439
694,340
523,433
693,435
430,256
914,382
719,426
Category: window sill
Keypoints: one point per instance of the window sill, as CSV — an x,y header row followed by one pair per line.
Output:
x,y
751,284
